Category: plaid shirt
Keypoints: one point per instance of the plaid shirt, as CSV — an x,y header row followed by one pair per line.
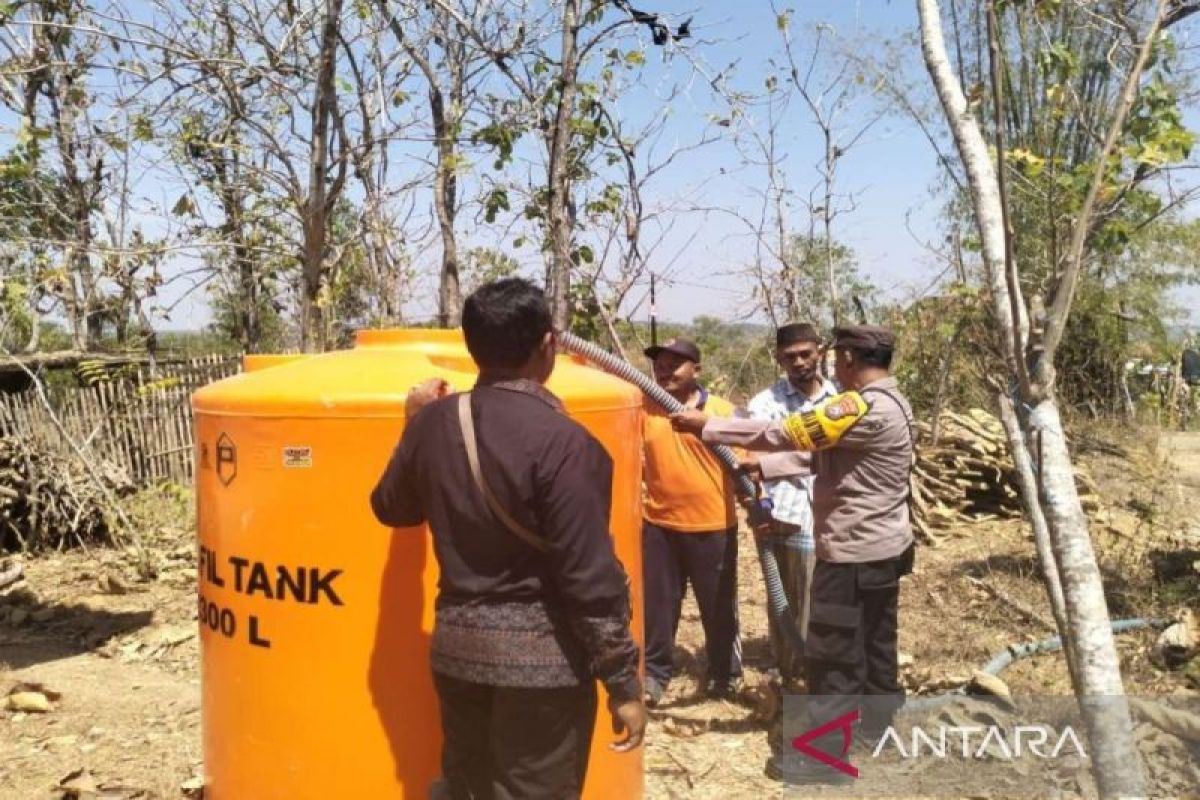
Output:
x,y
792,497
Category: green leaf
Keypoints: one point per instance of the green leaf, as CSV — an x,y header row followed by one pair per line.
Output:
x,y
497,201
143,131
1030,163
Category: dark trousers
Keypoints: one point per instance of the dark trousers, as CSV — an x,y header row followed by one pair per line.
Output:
x,y
672,559
504,743
851,647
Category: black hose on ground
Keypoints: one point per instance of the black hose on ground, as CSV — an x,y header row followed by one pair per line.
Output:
x,y
1017,651
777,603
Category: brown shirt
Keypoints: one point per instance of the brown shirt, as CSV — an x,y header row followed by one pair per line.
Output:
x,y
860,495
506,613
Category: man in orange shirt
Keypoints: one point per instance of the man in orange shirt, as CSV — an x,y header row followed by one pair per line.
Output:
x,y
690,531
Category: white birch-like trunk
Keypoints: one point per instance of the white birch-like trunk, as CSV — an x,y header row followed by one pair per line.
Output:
x,y
1027,478
1095,667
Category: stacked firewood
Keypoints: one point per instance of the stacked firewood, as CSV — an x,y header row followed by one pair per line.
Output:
x,y
968,475
50,501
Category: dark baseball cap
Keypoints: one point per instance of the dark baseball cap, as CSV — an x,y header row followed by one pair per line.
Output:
x,y
680,347
864,337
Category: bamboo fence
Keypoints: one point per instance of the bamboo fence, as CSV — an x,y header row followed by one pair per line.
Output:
x,y
140,424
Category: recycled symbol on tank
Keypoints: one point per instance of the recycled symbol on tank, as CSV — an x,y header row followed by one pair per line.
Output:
x,y
226,459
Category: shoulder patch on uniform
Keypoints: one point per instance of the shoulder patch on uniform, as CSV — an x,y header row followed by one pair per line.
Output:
x,y
822,426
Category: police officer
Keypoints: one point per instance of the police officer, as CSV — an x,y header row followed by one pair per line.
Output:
x,y
859,446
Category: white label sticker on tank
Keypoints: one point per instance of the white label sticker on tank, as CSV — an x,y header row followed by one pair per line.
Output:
x,y
297,457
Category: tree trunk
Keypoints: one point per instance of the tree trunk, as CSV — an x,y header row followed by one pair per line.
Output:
x,y
312,323
1027,479
86,324
1096,669
827,220
317,202
35,326
559,213
445,202
233,230
945,365
981,174
445,180
248,317
80,288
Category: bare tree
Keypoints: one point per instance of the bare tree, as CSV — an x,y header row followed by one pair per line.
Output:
x,y
629,222
451,65
328,163
832,97
800,268
289,107
51,59
555,59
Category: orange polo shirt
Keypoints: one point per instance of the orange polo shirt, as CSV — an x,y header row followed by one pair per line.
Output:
x,y
687,488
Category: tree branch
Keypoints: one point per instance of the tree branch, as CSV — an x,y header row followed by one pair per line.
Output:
x,y
1011,278
1064,291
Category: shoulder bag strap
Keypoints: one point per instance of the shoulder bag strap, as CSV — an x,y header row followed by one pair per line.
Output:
x,y
466,422
912,440
908,420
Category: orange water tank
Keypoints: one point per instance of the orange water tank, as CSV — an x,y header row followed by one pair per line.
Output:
x,y
315,620
253,362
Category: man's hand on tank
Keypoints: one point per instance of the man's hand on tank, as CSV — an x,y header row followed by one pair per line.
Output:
x,y
689,421
423,394
628,718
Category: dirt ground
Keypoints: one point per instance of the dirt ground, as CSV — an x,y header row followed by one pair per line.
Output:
x,y
1185,449
123,651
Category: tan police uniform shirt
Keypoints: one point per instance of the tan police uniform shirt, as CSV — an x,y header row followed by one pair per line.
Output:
x,y
860,495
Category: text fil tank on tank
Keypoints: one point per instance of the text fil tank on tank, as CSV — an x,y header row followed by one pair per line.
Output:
x,y
315,619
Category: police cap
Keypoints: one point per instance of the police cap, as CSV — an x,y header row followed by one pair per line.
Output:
x,y
864,337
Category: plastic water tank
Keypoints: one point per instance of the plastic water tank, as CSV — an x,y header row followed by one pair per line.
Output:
x,y
315,620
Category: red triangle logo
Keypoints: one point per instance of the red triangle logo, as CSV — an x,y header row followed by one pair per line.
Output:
x,y
846,723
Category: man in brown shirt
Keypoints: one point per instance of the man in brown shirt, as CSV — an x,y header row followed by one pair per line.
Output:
x,y
525,621
863,536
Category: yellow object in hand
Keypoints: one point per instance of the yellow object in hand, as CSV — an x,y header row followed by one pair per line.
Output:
x,y
823,426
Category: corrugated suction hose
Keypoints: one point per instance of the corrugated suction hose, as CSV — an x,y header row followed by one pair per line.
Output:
x,y
777,602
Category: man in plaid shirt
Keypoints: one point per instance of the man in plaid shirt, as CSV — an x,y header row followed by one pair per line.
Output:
x,y
798,350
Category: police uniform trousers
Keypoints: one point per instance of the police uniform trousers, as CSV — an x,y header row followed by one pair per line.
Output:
x,y
850,662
